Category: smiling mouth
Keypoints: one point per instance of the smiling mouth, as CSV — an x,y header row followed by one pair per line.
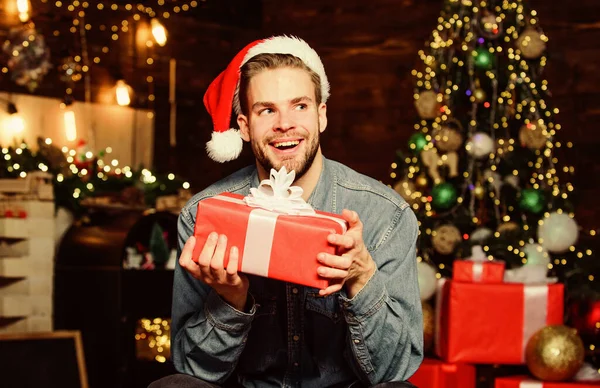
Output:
x,y
285,145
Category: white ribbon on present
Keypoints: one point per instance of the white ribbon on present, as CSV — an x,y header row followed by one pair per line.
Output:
x,y
535,298
478,257
278,195
531,384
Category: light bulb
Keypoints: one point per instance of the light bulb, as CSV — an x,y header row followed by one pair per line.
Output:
x,y
122,93
159,32
70,126
23,9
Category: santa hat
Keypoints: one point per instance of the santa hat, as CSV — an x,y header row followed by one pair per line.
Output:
x,y
222,97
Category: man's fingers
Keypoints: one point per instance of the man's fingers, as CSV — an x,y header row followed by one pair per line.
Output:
x,y
334,261
352,218
343,241
208,250
331,289
332,273
185,259
232,266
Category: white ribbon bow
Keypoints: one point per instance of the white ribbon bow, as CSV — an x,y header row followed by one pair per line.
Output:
x,y
278,195
529,274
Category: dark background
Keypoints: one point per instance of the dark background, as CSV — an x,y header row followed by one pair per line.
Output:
x,y
368,48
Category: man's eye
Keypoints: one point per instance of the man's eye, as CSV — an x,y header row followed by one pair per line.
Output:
x,y
266,111
301,107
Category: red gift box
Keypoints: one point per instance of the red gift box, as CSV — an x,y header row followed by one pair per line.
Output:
x,y
438,374
274,245
527,382
477,272
491,323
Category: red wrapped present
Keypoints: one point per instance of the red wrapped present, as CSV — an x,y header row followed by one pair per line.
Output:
x,y
438,374
491,323
528,382
478,269
271,243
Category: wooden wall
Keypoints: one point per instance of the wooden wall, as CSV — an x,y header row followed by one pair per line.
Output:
x,y
369,49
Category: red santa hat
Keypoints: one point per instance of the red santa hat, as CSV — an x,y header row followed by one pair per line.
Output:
x,y
222,97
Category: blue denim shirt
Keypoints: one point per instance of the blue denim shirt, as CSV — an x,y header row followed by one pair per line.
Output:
x,y
291,337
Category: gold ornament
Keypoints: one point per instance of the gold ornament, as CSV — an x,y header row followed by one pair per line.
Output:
x,y
490,26
554,353
428,105
407,190
445,238
532,136
428,325
421,182
479,95
507,227
531,43
434,161
447,139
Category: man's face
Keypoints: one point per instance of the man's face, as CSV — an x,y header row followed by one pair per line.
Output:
x,y
284,122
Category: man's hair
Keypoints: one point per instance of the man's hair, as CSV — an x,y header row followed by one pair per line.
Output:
x,y
262,62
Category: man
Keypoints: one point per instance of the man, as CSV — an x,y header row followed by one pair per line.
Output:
x,y
232,329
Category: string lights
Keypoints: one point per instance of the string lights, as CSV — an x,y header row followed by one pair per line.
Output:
x,y
152,339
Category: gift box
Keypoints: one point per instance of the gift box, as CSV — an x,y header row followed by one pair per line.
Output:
x,y
271,243
491,323
528,382
478,269
438,374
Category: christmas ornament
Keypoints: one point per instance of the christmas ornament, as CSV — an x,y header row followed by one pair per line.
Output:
x,y
507,227
70,70
483,58
532,136
554,353
433,161
479,235
584,315
428,326
479,95
532,200
427,280
447,139
531,43
443,196
28,56
445,239
417,141
536,254
479,191
558,232
490,26
480,145
407,190
428,106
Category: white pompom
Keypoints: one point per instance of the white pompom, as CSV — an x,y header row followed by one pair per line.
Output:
x,y
427,280
480,145
225,146
536,254
558,232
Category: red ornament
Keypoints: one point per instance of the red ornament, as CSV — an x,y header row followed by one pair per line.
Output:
x,y
8,213
22,214
585,317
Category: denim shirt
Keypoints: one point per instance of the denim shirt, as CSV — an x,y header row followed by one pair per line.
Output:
x,y
292,337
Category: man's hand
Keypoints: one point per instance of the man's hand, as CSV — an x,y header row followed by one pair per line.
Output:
x,y
226,282
353,264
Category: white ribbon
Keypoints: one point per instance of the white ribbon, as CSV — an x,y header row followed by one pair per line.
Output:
x,y
478,257
278,195
529,274
531,384
535,310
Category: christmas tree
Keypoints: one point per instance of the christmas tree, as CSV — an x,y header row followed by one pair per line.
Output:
x,y
482,168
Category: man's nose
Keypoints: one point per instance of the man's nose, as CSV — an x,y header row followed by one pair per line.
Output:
x,y
285,121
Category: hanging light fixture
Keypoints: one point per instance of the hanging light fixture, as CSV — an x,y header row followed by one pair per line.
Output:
x,y
159,32
23,9
122,92
69,120
14,123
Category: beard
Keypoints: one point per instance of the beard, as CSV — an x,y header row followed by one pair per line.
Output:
x,y
299,163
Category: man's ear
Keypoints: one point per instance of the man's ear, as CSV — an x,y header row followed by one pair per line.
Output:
x,y
322,117
244,127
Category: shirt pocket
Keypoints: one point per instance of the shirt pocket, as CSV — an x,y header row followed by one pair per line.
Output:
x,y
327,306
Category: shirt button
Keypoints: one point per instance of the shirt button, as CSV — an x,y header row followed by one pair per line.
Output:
x,y
295,364
296,338
356,341
295,290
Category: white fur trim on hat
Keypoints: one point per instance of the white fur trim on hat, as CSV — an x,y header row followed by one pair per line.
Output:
x,y
225,146
287,45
